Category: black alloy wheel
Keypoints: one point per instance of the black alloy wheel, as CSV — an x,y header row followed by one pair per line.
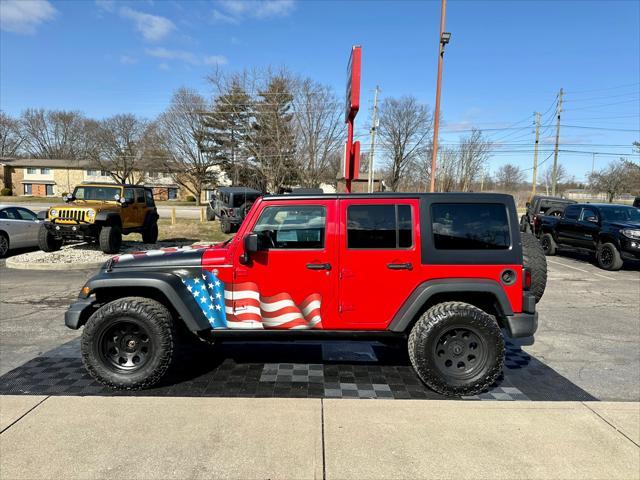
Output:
x,y
126,346
460,352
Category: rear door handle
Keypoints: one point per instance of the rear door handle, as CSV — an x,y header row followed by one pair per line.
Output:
x,y
319,266
399,266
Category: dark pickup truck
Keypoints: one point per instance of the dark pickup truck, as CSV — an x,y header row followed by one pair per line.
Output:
x,y
612,232
539,206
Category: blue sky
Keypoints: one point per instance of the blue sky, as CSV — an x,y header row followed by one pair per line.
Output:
x,y
506,60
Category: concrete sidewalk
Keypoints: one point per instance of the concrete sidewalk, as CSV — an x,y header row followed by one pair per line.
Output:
x,y
153,437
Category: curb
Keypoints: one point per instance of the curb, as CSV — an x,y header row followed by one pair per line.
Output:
x,y
10,263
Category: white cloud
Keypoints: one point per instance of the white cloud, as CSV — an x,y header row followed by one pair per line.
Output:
x,y
233,11
24,16
215,60
152,27
127,60
107,5
164,66
186,56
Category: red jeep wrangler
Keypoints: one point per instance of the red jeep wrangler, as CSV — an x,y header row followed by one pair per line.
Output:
x,y
444,271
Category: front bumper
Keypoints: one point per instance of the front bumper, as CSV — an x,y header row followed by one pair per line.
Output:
x,y
79,312
630,248
67,230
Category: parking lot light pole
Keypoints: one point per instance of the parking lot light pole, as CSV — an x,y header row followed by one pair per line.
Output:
x,y
444,39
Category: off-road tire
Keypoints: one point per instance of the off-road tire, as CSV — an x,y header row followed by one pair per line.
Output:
x,y
150,234
548,244
110,239
534,260
435,323
554,212
154,318
4,244
47,241
608,257
211,215
225,226
525,226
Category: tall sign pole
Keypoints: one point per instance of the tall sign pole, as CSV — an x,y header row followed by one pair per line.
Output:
x,y
443,40
352,149
372,148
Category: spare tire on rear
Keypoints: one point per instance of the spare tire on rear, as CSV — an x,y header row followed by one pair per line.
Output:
x,y
534,260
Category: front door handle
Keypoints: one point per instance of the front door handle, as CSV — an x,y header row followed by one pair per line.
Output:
x,y
319,266
399,266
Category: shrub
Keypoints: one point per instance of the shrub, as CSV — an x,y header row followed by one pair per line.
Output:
x,y
190,198
6,192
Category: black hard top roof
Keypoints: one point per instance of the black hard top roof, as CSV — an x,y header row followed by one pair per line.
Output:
x,y
238,190
107,184
600,205
457,196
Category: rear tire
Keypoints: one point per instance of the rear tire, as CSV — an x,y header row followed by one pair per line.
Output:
x,y
608,257
150,234
47,241
534,260
4,244
457,349
549,246
110,239
129,343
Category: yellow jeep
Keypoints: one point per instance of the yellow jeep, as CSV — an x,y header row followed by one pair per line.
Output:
x,y
102,213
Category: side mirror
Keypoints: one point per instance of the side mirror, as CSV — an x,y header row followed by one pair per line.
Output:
x,y
123,201
251,243
250,246
592,219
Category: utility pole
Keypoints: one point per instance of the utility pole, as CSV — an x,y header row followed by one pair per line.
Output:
x,y
374,128
444,39
593,163
554,175
535,156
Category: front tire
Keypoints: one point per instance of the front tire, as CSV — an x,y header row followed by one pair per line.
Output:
x,y
608,257
129,343
47,241
150,234
534,260
4,244
457,349
110,239
549,246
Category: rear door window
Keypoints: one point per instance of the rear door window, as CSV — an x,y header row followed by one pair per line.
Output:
x,y
466,226
380,227
572,212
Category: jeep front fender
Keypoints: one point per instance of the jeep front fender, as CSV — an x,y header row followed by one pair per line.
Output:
x,y
426,290
169,286
111,218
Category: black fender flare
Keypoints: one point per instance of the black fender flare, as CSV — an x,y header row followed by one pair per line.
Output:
x,y
168,284
110,218
150,218
423,292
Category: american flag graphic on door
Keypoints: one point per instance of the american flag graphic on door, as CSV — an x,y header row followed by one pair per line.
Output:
x,y
245,308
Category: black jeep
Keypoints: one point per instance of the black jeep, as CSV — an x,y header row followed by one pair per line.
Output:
x,y
231,205
538,206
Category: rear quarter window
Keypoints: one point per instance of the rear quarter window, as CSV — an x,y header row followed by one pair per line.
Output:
x,y
470,226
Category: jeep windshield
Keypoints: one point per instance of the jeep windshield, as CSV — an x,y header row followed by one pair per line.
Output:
x,y
97,193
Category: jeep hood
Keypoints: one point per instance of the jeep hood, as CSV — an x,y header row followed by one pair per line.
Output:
x,y
172,257
94,204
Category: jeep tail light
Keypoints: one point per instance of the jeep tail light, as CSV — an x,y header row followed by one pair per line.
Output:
x,y
526,278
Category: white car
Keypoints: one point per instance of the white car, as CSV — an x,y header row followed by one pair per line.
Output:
x,y
19,228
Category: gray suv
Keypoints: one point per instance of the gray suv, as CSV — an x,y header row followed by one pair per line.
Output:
x,y
231,205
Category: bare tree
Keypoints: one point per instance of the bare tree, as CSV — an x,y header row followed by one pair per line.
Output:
x,y
120,142
404,131
10,136
618,177
53,133
473,154
192,156
561,176
509,177
317,124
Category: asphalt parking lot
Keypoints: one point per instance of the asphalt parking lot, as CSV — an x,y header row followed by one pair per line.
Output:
x,y
586,346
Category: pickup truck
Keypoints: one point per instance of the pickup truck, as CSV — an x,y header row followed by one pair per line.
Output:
x,y
610,231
